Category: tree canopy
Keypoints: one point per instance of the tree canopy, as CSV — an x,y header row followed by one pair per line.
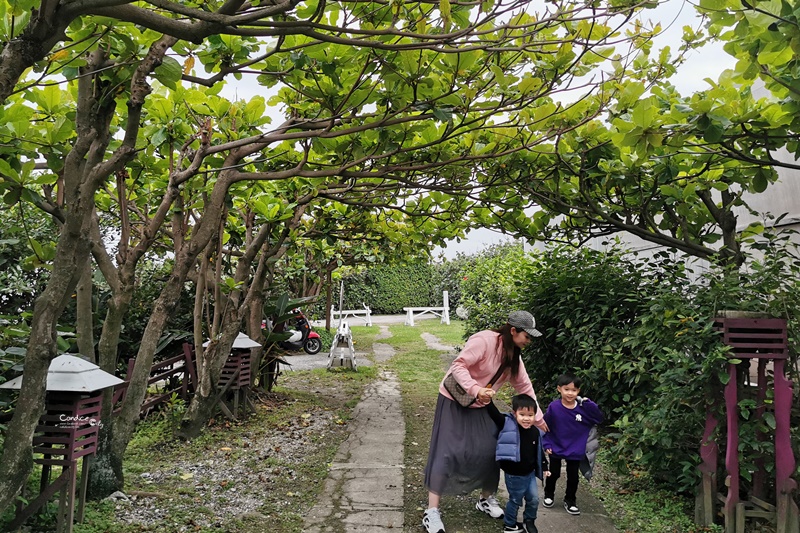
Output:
x,y
673,169
118,128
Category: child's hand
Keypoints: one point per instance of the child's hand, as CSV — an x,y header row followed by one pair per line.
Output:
x,y
546,473
548,451
485,394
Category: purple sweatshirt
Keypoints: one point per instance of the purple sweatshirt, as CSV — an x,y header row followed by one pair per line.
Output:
x,y
569,428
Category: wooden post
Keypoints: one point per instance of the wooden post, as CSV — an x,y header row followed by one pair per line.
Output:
x,y
787,512
71,485
84,486
731,451
760,475
328,302
705,503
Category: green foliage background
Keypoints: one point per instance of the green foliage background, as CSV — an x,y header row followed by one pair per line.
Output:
x,y
639,331
386,289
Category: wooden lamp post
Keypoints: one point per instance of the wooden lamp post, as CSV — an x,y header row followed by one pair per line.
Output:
x,y
762,340
67,432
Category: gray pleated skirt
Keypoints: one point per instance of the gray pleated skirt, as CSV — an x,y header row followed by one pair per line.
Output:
x,y
462,453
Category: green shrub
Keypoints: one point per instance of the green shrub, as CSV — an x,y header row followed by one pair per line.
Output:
x,y
326,337
386,289
640,333
491,286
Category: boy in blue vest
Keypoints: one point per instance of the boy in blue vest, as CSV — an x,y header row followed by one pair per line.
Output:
x,y
519,453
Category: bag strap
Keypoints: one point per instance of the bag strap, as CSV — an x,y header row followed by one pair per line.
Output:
x,y
496,376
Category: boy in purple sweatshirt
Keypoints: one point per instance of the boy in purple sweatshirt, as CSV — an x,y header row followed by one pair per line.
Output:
x,y
570,420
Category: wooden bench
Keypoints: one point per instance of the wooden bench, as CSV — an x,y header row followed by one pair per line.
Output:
x,y
443,312
362,314
422,311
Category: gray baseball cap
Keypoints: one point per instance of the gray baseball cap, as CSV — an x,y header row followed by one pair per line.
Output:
x,y
524,320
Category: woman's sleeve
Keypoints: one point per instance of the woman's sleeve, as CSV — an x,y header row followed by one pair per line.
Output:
x,y
473,351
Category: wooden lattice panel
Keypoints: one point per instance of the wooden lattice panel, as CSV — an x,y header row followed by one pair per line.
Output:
x,y
237,361
755,338
68,429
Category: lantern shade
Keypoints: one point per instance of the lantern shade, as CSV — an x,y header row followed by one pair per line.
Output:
x,y
68,373
241,342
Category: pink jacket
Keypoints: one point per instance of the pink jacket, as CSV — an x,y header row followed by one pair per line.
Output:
x,y
477,364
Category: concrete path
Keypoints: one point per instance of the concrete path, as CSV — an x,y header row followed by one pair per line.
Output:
x,y
364,490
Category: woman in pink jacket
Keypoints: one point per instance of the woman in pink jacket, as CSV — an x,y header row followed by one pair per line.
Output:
x,y
463,440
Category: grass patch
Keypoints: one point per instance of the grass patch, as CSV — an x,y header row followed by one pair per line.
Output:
x,y
420,370
637,505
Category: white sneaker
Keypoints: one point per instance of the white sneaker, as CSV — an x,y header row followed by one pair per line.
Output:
x,y
432,521
490,506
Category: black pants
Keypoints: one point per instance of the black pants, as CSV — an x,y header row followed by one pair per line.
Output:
x,y
555,473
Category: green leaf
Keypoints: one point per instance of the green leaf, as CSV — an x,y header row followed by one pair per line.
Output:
x,y
643,114
713,134
8,171
499,75
760,182
169,72
444,115
444,9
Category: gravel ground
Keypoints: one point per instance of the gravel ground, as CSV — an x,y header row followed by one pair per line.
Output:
x,y
253,475
246,471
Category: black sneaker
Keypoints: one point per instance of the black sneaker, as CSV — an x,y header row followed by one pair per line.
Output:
x,y
571,508
530,526
548,501
516,528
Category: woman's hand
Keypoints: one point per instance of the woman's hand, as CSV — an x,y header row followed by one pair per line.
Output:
x,y
485,395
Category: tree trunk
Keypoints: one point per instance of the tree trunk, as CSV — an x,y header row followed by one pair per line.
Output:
x,y
105,470
209,366
16,462
166,303
209,369
163,307
84,315
201,410
84,171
